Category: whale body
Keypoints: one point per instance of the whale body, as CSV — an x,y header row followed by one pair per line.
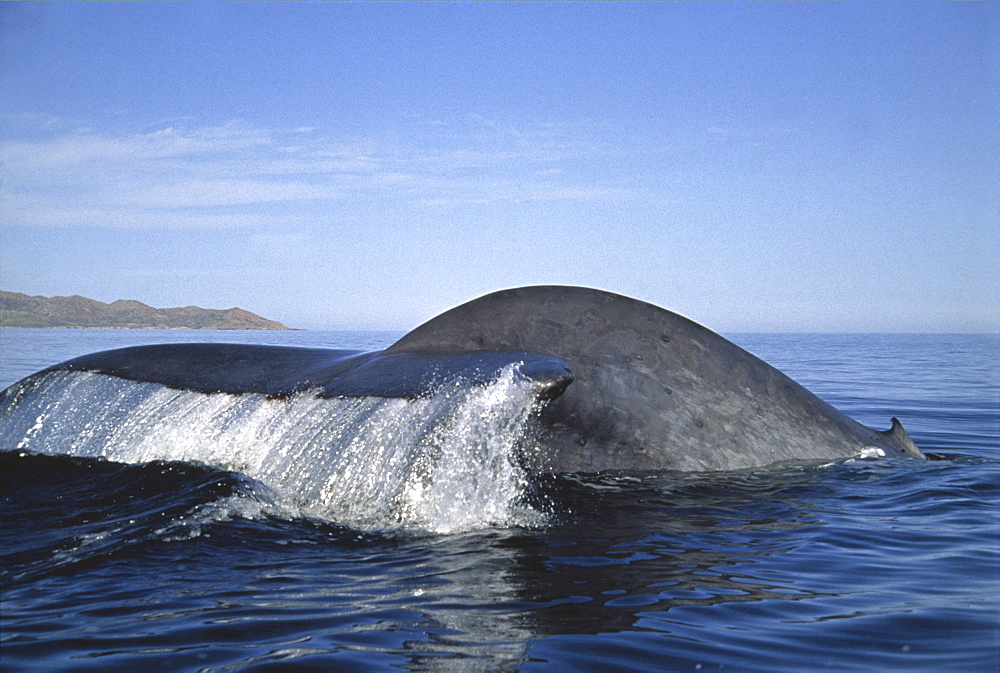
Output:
x,y
622,384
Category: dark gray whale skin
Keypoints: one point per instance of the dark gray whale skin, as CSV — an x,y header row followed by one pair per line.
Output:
x,y
630,386
280,371
652,390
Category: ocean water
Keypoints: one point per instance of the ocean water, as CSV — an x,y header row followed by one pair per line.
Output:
x,y
215,534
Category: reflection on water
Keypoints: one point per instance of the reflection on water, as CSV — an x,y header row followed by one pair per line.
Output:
x,y
702,559
623,549
626,548
802,562
628,545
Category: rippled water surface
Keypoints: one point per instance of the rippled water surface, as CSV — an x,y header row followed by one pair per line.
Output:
x,y
866,565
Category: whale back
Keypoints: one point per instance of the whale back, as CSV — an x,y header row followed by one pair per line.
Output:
x,y
652,389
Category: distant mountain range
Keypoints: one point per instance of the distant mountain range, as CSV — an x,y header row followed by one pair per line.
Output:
x,y
20,310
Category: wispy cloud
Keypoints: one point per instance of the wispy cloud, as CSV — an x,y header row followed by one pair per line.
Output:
x,y
182,175
87,147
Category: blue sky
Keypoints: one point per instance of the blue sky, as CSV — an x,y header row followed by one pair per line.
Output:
x,y
754,166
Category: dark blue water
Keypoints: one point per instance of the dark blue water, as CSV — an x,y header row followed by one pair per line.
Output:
x,y
866,565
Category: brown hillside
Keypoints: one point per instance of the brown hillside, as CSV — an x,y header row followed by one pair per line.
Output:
x,y
21,310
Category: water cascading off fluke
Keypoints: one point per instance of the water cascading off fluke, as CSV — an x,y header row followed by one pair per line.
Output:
x,y
442,462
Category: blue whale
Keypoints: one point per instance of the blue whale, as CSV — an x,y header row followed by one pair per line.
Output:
x,y
623,384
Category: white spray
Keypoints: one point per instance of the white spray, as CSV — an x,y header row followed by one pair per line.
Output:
x,y
444,463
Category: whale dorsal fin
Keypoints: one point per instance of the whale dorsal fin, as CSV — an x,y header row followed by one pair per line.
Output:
x,y
896,437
